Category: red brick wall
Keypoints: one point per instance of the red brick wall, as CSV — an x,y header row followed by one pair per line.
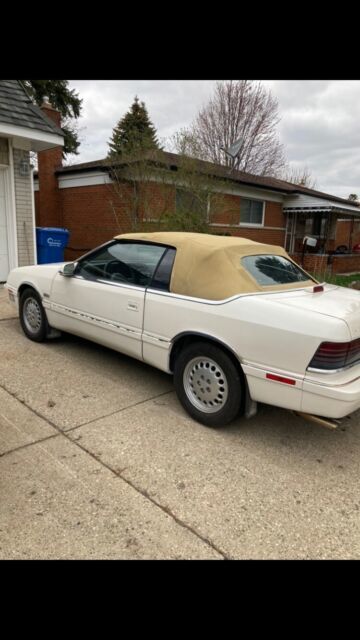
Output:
x,y
346,264
274,216
343,230
228,213
319,263
49,211
268,236
225,209
156,200
344,235
315,263
94,214
356,234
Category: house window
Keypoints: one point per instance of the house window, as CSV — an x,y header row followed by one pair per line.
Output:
x,y
316,224
251,212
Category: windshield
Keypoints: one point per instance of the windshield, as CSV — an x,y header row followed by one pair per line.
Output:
x,y
271,270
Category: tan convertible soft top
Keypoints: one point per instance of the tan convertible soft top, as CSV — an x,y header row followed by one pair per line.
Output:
x,y
209,266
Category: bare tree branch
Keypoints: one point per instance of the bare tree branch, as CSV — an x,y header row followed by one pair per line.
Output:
x,y
301,176
145,194
238,109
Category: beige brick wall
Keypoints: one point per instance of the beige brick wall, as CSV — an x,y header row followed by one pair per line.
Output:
x,y
24,219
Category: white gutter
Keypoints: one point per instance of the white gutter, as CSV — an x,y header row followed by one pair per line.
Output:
x,y
33,215
40,139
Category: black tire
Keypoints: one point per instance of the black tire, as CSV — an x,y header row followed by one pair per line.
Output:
x,y
32,316
223,387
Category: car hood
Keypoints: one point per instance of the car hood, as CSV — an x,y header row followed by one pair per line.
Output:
x,y
337,302
40,275
51,267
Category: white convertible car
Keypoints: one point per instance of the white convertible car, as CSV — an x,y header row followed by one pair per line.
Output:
x,y
237,322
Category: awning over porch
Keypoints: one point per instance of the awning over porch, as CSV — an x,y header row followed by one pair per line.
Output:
x,y
313,204
318,217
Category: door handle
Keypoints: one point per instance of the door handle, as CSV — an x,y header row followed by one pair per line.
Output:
x,y
132,306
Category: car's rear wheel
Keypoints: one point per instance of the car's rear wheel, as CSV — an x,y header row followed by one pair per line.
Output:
x,y
208,384
32,316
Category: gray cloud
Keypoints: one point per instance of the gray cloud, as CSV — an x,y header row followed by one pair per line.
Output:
x,y
171,104
319,124
320,129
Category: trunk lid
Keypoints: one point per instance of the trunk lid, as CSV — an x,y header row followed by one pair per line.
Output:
x,y
337,302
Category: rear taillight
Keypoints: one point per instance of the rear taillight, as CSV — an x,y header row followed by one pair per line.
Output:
x,y
336,355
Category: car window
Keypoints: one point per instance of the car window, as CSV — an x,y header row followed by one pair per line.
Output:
x,y
271,270
122,262
162,275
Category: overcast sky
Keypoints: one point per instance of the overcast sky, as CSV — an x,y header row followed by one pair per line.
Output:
x,y
320,120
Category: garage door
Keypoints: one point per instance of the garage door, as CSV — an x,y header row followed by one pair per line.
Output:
x,y
4,258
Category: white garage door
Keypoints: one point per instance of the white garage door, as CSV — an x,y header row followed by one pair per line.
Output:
x,y
4,258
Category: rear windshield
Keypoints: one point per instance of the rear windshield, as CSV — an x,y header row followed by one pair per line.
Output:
x,y
271,270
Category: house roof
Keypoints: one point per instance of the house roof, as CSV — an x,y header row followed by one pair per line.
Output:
x,y
17,109
210,266
241,177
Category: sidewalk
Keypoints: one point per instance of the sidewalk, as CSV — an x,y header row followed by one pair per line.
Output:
x,y
99,460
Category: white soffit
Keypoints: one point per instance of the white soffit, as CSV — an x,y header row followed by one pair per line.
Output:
x,y
100,177
39,140
83,179
303,201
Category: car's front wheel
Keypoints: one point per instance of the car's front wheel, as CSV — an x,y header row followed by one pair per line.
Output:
x,y
32,316
208,384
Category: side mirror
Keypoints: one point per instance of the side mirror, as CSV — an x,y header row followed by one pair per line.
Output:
x,y
68,270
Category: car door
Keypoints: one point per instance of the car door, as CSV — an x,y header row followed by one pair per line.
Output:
x,y
104,299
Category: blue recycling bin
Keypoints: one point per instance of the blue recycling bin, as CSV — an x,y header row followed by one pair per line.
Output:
x,y
51,242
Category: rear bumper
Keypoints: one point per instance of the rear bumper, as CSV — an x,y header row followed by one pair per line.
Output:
x,y
331,396
331,401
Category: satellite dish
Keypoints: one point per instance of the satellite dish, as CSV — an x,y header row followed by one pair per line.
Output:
x,y
233,151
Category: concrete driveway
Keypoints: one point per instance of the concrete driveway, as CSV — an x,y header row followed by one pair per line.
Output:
x,y
99,460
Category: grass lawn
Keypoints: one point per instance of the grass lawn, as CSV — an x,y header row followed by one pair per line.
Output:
x,y
342,281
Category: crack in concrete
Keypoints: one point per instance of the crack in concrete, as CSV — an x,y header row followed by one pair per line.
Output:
x,y
107,415
28,444
146,495
177,520
139,490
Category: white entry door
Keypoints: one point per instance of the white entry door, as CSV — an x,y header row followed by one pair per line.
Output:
x,y
4,251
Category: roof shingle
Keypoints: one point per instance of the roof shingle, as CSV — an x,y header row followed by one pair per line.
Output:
x,y
17,109
173,159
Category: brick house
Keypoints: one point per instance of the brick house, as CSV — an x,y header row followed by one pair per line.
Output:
x,y
83,198
23,128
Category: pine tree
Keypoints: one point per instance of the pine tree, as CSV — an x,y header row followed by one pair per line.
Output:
x,y
134,132
64,99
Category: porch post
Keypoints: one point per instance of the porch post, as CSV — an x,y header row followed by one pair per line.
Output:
x,y
351,234
293,232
